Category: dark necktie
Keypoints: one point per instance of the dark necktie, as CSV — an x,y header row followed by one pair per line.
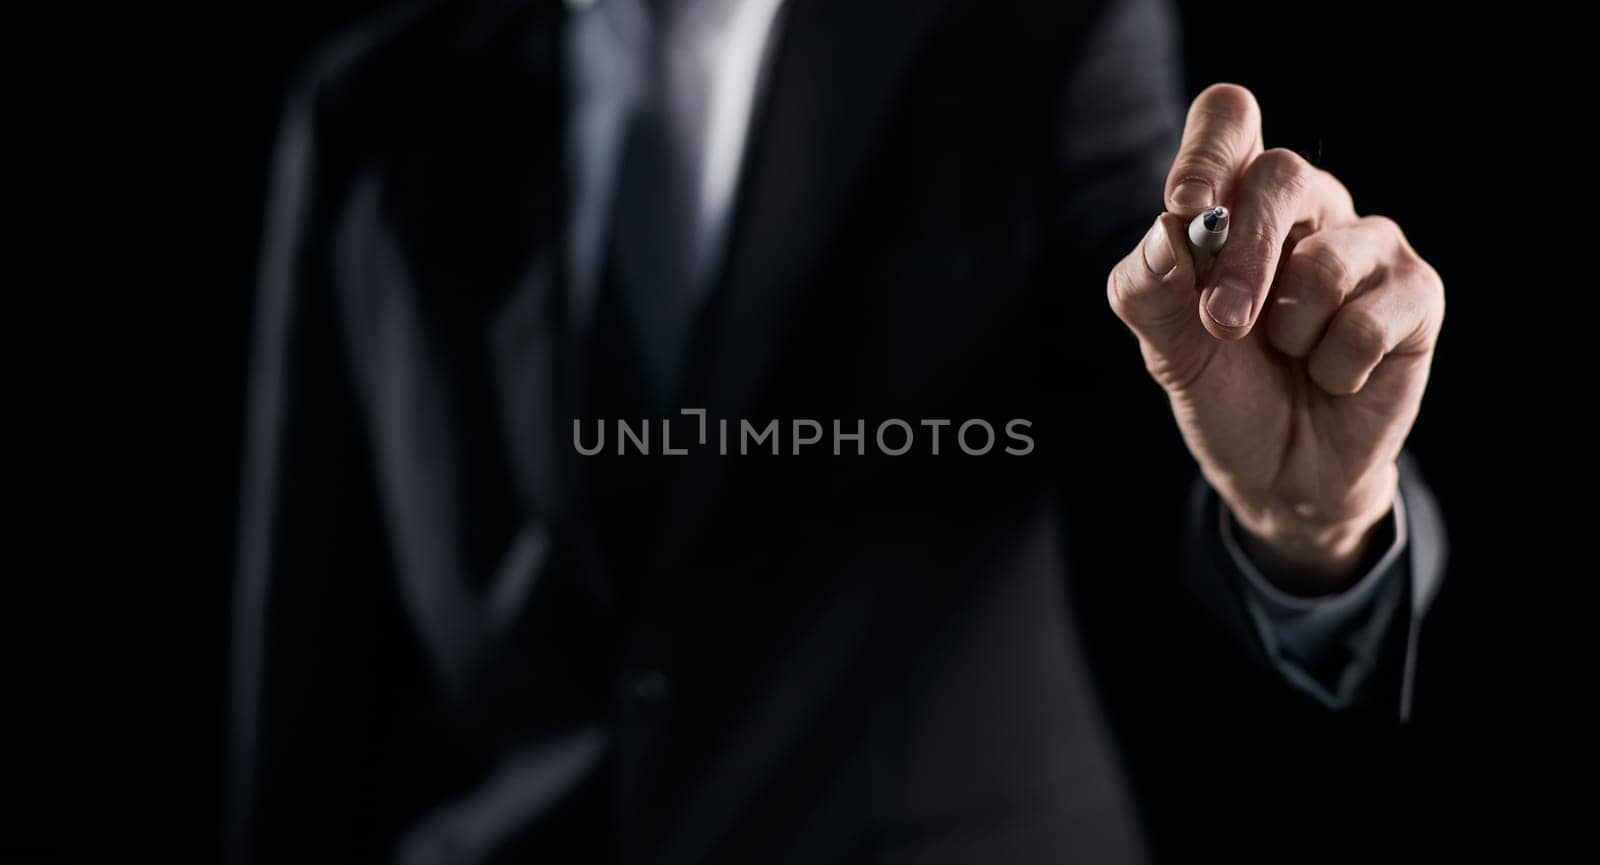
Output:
x,y
652,256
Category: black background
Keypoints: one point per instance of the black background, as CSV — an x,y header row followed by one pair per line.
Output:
x,y
121,658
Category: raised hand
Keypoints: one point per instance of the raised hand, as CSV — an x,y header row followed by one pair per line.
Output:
x,y
1296,363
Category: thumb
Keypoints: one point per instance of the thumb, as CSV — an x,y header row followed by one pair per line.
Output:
x,y
1153,289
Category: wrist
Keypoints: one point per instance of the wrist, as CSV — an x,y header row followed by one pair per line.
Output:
x,y
1305,552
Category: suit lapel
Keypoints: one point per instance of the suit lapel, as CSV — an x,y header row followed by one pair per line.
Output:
x,y
534,349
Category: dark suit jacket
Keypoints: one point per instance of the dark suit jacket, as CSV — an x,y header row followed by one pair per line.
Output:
x,y
458,640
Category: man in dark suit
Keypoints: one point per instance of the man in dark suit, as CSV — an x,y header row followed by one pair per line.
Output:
x,y
498,229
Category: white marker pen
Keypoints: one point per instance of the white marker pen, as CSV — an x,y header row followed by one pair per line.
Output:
x,y
1207,233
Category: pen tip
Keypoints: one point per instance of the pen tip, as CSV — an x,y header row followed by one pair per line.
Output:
x,y
1216,218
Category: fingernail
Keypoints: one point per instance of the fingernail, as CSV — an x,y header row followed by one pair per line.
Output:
x,y
1158,251
1192,194
1230,303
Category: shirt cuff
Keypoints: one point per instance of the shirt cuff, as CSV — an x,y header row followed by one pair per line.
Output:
x,y
1327,645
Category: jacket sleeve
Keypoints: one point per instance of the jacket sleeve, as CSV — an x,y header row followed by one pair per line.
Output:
x,y
1351,652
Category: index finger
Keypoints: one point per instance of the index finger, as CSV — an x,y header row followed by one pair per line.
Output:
x,y
1220,138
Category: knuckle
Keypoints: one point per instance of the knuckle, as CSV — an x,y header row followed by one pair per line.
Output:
x,y
1415,270
1424,279
1433,295
1347,202
1285,169
1206,160
1363,336
1435,284
1387,228
1394,238
1320,271
1259,249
